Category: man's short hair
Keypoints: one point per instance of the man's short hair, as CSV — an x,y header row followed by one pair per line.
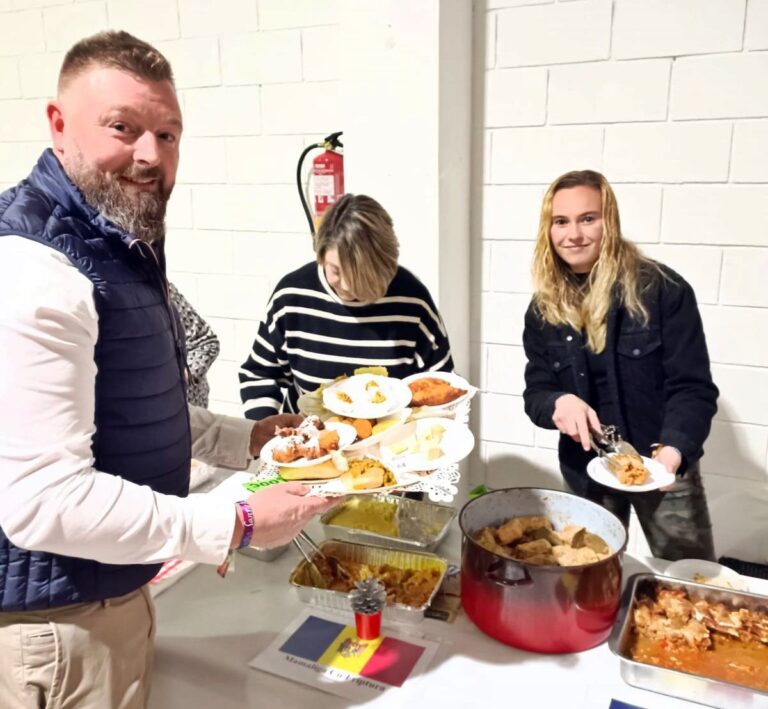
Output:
x,y
118,50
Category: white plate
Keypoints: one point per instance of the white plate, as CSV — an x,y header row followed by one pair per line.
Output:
x,y
401,417
396,393
457,443
454,380
597,469
347,434
335,486
713,573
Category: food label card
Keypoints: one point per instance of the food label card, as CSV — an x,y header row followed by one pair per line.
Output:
x,y
319,650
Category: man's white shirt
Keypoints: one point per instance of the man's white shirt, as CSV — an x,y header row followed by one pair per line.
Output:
x,y
51,497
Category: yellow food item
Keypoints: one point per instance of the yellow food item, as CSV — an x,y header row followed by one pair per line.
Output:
x,y
384,425
433,435
409,444
434,453
378,397
424,440
367,474
377,371
322,471
368,515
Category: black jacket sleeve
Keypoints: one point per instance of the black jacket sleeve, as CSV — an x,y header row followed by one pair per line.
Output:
x,y
690,395
541,386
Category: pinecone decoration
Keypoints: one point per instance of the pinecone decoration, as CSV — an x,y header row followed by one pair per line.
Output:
x,y
369,596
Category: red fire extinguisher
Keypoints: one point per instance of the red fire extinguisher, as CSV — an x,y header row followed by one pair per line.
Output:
x,y
326,178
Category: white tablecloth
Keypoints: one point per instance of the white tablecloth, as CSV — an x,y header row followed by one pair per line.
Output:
x,y
210,628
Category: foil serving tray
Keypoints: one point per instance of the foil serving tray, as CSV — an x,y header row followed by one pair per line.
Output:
x,y
422,525
300,577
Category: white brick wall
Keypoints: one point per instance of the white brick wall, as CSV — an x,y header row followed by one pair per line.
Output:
x,y
720,86
516,97
667,152
22,33
660,28
669,99
750,145
724,214
528,155
609,92
552,34
10,85
257,80
757,25
131,16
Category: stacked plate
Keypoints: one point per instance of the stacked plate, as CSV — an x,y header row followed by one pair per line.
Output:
x,y
403,427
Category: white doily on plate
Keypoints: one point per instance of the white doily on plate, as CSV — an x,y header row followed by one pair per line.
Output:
x,y
440,485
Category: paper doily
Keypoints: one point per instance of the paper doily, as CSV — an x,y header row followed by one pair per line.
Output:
x,y
440,485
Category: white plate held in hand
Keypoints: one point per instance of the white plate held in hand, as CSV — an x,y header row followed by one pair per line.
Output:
x,y
598,470
347,434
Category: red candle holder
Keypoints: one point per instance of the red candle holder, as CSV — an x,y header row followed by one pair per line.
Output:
x,y
368,626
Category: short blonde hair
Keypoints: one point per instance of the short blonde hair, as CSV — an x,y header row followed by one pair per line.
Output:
x,y
362,232
560,297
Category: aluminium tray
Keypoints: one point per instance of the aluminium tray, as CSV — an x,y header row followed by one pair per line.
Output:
x,y
423,525
677,683
368,554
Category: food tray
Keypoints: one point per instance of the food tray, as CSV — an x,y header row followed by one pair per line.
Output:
x,y
423,525
368,554
263,554
677,683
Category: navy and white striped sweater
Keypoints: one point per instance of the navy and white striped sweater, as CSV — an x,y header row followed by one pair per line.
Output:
x,y
310,336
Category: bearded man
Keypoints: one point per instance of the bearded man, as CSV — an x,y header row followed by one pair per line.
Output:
x,y
95,431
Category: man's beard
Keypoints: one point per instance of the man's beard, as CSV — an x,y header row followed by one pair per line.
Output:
x,y
138,212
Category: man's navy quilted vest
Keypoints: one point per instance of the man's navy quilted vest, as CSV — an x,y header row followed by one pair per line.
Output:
x,y
142,422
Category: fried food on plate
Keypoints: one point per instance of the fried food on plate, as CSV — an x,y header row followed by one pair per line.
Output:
x,y
309,440
628,468
433,391
367,474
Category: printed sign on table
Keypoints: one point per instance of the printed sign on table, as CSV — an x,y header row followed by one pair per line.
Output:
x,y
319,650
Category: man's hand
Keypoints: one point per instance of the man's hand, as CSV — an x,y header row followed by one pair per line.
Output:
x,y
574,417
264,430
281,511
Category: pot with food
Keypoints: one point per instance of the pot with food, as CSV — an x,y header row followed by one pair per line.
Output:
x,y
541,569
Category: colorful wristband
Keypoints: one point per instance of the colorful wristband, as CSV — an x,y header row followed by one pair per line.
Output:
x,y
247,517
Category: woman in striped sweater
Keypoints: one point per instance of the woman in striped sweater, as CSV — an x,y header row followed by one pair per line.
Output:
x,y
351,308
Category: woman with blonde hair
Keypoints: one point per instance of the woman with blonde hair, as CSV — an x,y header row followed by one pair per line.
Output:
x,y
613,337
352,307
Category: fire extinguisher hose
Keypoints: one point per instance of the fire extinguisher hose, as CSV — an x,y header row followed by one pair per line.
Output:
x,y
329,142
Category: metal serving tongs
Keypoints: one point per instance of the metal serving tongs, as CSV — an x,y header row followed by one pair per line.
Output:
x,y
309,555
608,442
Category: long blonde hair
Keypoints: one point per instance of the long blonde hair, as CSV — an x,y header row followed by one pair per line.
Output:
x,y
560,297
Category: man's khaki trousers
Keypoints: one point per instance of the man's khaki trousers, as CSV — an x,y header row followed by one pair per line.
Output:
x,y
85,656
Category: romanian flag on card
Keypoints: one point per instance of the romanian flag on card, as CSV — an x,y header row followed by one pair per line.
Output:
x,y
330,644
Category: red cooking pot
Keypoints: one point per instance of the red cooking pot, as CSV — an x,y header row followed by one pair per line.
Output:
x,y
550,609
